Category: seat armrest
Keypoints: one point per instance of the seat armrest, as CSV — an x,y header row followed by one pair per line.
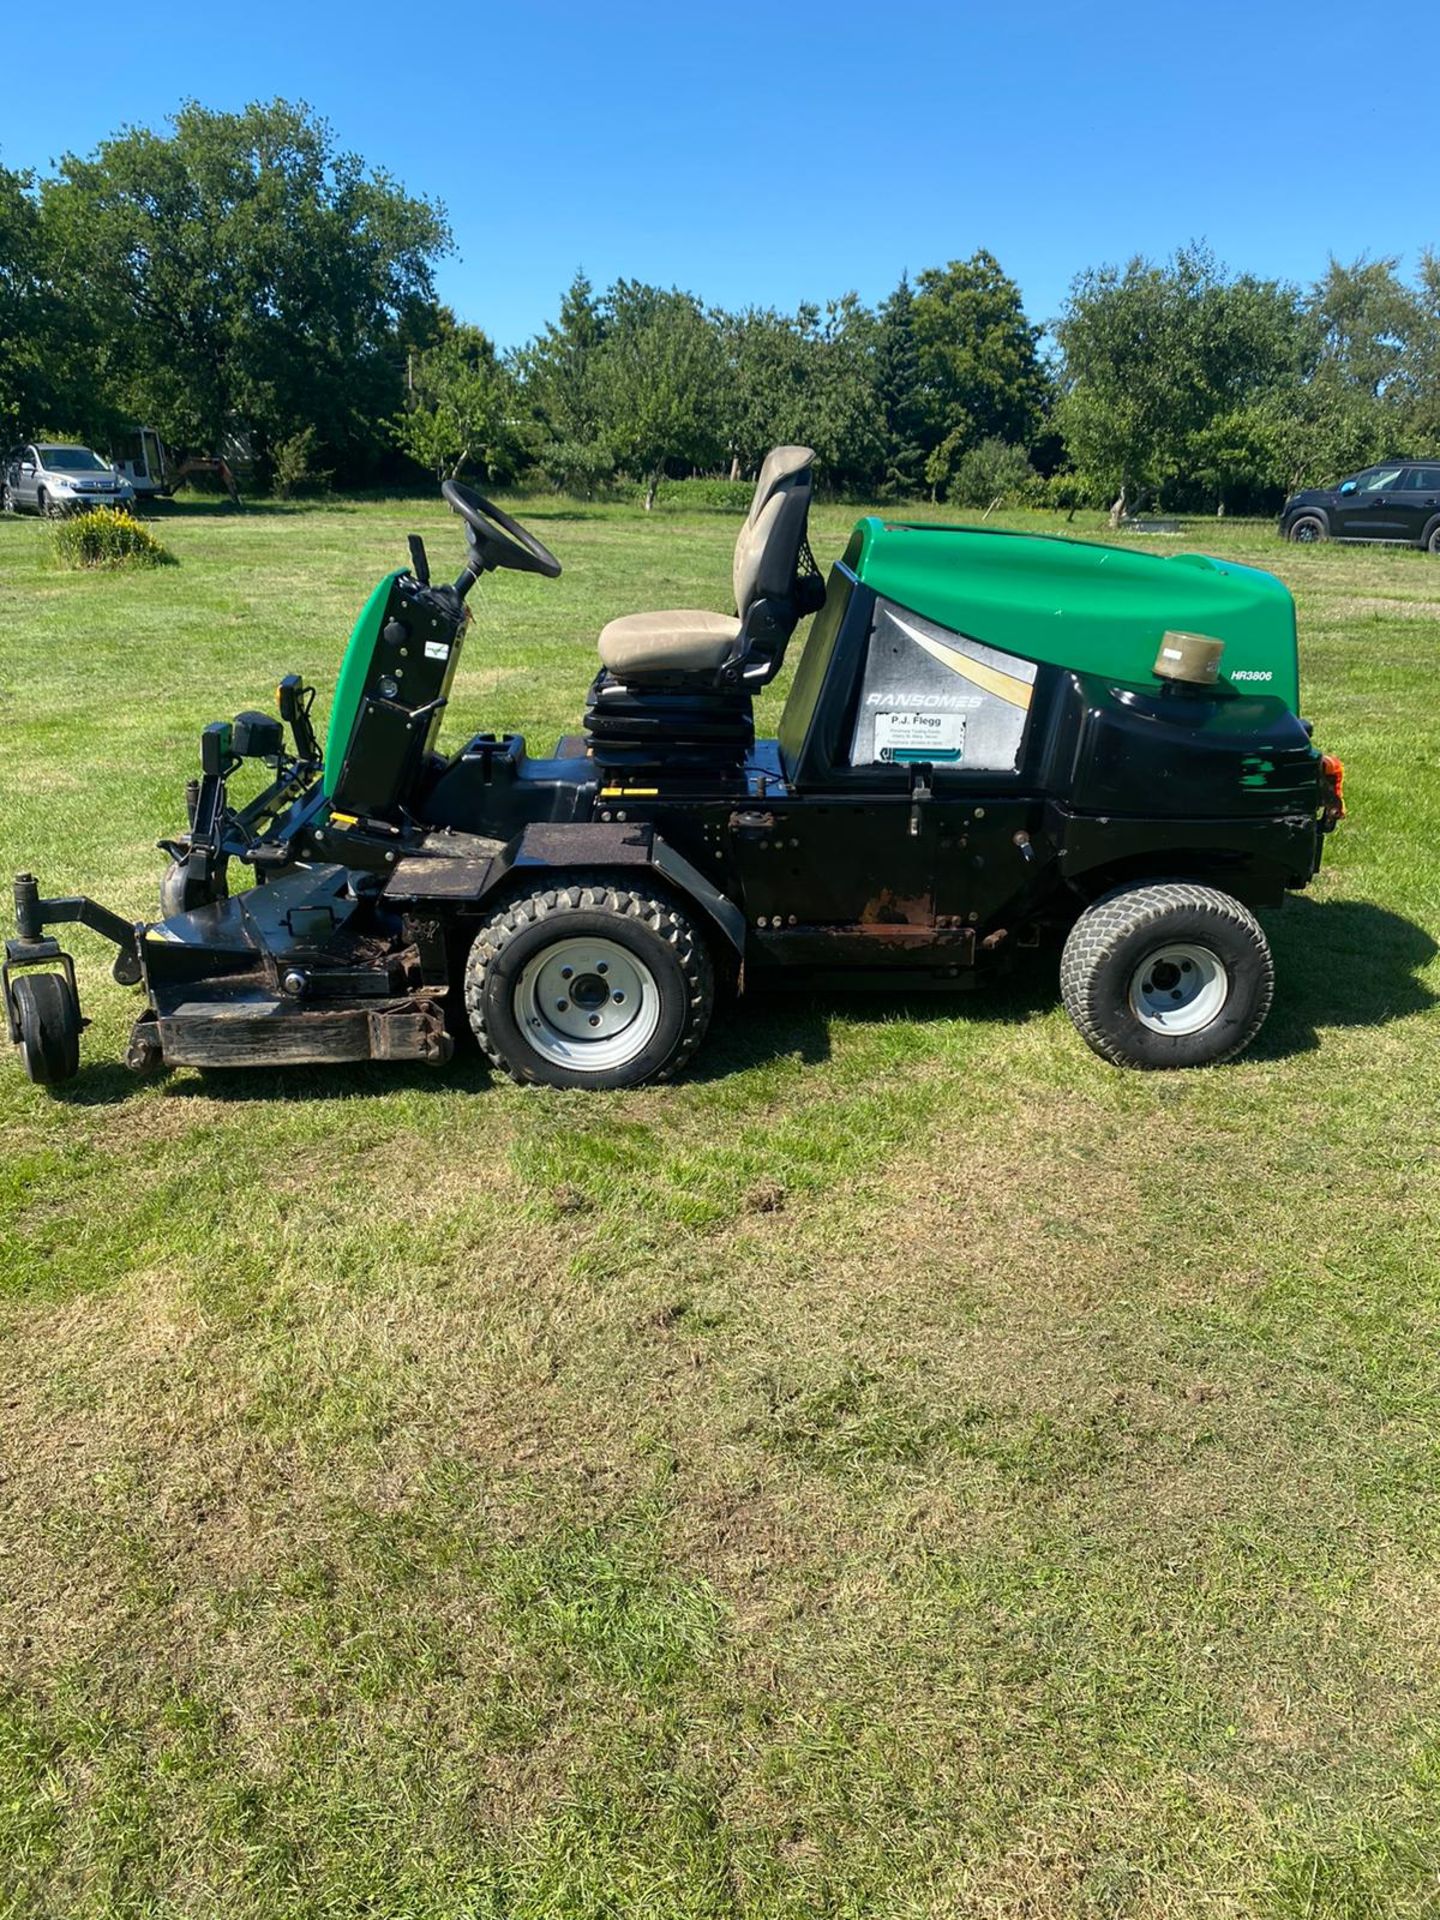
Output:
x,y
765,634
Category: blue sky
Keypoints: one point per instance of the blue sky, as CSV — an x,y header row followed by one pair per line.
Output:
x,y
759,153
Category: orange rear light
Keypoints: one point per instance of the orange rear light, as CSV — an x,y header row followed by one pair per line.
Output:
x,y
1332,771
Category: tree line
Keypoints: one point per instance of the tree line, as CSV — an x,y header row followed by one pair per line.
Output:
x,y
239,272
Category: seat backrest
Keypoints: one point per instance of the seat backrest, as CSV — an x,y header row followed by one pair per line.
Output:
x,y
770,540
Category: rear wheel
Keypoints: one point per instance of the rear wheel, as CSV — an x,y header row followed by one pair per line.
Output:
x,y
7,499
1308,530
1431,543
1167,975
47,1017
585,983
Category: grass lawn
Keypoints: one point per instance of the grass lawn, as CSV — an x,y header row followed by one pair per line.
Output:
x,y
905,1468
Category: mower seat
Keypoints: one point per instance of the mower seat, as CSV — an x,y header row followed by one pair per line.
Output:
x,y
688,646
685,641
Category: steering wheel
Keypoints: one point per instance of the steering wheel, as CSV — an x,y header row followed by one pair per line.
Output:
x,y
496,539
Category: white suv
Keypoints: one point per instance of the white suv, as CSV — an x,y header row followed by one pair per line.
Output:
x,y
54,480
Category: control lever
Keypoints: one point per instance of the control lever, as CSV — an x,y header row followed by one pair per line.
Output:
x,y
419,563
921,791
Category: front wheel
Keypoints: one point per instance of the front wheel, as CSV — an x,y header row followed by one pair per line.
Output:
x,y
587,982
1432,541
1167,975
47,1025
7,500
1308,530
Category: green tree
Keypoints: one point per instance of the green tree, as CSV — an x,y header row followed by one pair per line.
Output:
x,y
990,474
1316,429
660,375
1364,394
1425,355
845,428
1117,411
1368,319
981,376
27,318
461,409
772,383
899,395
1170,376
560,379
805,378
242,266
1371,386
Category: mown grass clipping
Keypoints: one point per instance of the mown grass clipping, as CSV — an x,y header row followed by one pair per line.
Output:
x,y
106,538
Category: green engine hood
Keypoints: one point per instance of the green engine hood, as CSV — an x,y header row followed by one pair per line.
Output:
x,y
1072,603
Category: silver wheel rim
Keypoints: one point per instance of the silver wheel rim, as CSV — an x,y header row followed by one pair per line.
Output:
x,y
1179,988
590,1005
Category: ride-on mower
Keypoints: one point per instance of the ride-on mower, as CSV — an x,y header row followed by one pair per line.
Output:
x,y
992,741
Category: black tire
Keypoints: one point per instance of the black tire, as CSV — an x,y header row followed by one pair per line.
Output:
x,y
1308,529
7,500
42,504
48,1017
180,892
1140,949
646,941
1431,541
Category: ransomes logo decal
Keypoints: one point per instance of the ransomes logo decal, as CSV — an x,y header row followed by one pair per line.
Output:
x,y
941,702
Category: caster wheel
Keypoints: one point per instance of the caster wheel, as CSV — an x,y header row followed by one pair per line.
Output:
x,y
47,1018
182,892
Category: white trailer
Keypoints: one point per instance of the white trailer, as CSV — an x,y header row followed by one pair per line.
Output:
x,y
140,455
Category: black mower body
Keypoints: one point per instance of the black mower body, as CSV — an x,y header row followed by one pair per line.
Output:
x,y
843,849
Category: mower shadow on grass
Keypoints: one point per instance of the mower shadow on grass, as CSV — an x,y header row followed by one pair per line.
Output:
x,y
103,1083
774,1025
108,1084
779,1024
1344,963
